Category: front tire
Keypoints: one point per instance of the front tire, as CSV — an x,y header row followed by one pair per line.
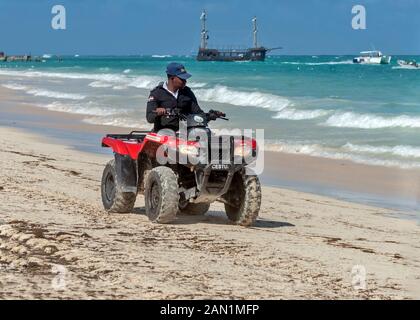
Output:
x,y
244,197
161,195
113,199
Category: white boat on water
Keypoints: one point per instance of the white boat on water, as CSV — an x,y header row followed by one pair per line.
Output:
x,y
372,57
411,64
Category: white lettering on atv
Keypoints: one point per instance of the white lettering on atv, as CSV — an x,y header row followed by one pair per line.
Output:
x,y
256,167
197,153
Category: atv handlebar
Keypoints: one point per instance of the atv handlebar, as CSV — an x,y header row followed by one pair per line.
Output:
x,y
214,114
211,115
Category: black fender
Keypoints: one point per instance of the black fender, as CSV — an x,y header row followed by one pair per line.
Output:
x,y
126,170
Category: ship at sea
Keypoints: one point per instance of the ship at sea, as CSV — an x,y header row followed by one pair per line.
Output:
x,y
14,58
256,53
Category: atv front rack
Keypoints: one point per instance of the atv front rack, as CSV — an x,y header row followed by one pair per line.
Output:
x,y
133,135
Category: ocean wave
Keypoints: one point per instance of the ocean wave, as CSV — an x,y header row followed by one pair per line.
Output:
x,y
370,121
70,75
127,71
119,122
14,86
308,149
44,93
89,108
405,68
55,94
100,84
400,150
100,80
119,87
197,84
293,114
161,56
316,150
222,94
143,82
319,63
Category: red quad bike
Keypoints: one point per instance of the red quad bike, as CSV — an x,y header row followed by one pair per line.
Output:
x,y
186,187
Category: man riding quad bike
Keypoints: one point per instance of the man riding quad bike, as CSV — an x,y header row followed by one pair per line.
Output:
x,y
182,173
185,171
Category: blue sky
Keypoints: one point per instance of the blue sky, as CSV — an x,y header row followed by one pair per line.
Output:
x,y
173,26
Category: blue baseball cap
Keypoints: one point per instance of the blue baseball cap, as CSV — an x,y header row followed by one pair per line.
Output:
x,y
178,70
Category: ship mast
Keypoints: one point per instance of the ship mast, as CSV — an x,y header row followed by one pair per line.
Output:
x,y
254,22
204,32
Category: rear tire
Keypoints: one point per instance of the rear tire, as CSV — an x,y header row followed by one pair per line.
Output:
x,y
113,199
195,209
161,195
245,197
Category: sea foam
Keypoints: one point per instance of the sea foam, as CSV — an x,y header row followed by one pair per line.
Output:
x,y
119,122
317,150
318,63
294,114
55,94
222,94
43,92
100,84
89,108
404,151
14,86
371,121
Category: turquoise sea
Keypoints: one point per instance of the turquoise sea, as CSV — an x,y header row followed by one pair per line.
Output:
x,y
317,105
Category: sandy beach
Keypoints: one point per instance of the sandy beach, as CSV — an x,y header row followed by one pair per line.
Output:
x,y
56,241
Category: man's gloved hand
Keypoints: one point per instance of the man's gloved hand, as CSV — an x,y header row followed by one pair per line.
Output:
x,y
214,114
160,111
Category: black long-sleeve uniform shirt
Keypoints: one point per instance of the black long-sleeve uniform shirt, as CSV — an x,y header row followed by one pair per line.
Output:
x,y
160,98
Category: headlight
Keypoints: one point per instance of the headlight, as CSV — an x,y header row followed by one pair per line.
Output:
x,y
243,151
188,149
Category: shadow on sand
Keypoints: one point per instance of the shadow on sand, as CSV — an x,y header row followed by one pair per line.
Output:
x,y
218,217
